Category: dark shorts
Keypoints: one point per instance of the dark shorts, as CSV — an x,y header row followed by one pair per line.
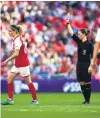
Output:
x,y
82,72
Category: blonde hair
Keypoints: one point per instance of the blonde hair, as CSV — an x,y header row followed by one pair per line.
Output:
x,y
17,29
21,31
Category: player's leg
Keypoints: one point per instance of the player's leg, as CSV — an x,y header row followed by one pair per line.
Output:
x,y
10,78
31,89
25,72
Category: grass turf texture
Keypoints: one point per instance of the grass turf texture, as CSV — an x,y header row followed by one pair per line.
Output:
x,y
52,105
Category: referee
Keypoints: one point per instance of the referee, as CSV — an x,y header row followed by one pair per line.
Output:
x,y
85,52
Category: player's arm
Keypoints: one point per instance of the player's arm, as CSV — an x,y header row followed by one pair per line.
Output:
x,y
13,56
96,49
17,44
95,52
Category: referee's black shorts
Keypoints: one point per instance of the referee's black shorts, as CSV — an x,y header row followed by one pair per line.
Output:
x,y
82,72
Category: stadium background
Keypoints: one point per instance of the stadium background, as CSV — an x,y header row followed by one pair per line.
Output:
x,y
51,51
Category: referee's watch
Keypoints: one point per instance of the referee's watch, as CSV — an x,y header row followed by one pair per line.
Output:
x,y
67,24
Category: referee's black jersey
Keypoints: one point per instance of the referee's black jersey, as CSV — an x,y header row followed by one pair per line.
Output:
x,y
85,49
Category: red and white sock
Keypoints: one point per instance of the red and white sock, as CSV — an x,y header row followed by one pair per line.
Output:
x,y
32,91
10,90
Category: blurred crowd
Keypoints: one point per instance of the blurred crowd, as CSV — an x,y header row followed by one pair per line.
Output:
x,y
51,51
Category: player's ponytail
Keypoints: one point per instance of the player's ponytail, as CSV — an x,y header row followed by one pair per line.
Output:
x,y
85,31
20,29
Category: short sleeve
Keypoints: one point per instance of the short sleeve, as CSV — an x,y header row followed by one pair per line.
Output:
x,y
76,39
17,43
98,36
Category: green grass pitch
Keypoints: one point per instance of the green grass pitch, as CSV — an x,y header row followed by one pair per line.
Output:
x,y
52,105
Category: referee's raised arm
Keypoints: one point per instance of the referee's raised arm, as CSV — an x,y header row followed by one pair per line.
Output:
x,y
70,30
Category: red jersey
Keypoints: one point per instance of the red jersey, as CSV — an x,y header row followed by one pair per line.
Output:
x,y
21,60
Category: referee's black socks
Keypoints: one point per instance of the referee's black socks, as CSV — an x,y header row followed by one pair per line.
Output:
x,y
86,90
83,91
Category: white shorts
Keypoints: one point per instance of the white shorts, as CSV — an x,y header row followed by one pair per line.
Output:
x,y
23,71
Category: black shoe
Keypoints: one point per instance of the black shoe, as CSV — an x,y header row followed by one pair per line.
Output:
x,y
86,102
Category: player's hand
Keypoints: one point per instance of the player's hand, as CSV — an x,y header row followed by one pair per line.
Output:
x,y
4,63
90,69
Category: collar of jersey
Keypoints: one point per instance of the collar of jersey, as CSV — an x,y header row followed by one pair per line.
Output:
x,y
15,38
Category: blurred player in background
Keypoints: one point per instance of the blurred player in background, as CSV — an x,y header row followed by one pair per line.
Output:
x,y
96,49
21,65
85,50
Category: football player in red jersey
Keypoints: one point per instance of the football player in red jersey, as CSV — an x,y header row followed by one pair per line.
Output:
x,y
21,65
